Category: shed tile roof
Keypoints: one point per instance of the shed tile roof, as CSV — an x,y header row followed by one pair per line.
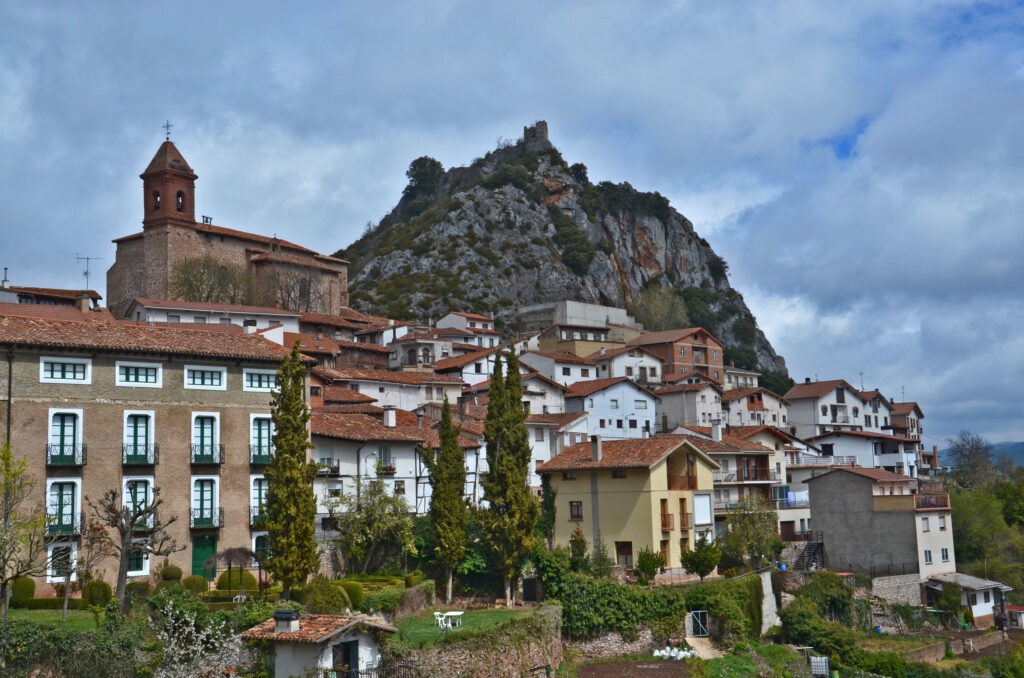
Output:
x,y
863,434
315,628
460,361
473,316
687,388
736,394
906,408
559,420
54,312
355,427
346,396
129,338
410,378
54,292
584,388
729,444
670,336
876,474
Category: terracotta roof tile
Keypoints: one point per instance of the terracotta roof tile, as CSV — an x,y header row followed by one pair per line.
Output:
x,y
54,292
330,321
346,396
411,378
615,454
816,389
355,427
736,394
280,257
473,316
876,474
670,336
560,420
863,434
585,388
561,357
54,312
615,352
461,361
355,408
729,443
906,408
315,628
128,338
687,388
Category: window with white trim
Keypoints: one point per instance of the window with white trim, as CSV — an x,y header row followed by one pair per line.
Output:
x,y
205,437
138,495
206,377
261,435
138,562
62,516
640,404
927,556
146,375
945,555
65,370
60,558
205,502
138,437
259,381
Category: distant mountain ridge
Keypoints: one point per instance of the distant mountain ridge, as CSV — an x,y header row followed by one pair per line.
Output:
x,y
520,226
1014,450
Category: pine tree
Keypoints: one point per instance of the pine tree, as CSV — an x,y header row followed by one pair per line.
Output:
x,y
290,508
448,515
511,514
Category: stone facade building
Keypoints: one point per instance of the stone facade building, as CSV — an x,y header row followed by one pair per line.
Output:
x,y
286,275
95,405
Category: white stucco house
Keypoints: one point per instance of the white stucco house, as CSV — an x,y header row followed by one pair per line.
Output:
x,y
617,408
688,404
550,434
403,390
986,599
817,407
306,643
252,318
481,327
561,366
756,406
633,362
871,450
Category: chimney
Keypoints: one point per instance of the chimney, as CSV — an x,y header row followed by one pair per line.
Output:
x,y
716,429
595,448
81,302
419,420
602,350
389,416
286,621
807,380
5,283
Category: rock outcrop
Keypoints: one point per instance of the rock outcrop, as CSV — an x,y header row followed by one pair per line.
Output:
x,y
521,226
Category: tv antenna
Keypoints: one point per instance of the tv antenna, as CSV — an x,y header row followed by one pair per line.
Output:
x,y
85,273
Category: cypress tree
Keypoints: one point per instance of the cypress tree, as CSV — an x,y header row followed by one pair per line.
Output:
x,y
448,514
511,514
290,506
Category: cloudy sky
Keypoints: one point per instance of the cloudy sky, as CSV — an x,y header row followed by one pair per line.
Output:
x,y
859,165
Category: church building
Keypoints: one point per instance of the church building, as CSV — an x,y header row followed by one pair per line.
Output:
x,y
285,274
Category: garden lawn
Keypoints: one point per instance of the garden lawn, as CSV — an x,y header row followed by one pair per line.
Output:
x,y
78,620
875,642
422,631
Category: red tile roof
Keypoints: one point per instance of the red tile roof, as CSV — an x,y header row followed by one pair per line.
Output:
x,y
674,377
817,389
460,361
330,321
585,388
411,378
617,454
207,306
866,396
561,357
906,408
363,346
54,292
129,338
560,420
355,408
55,312
614,352
876,474
473,316
736,394
670,336
280,257
345,396
315,628
687,388
310,344
355,427
729,444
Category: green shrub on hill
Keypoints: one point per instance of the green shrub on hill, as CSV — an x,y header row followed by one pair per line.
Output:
x,y
354,590
233,580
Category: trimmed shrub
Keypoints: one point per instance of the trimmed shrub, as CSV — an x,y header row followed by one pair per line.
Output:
x,y
196,583
139,590
239,579
354,591
171,573
384,600
322,596
413,579
97,592
23,589
55,604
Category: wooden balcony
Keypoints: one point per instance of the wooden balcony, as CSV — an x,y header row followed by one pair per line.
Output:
x,y
682,482
685,521
666,522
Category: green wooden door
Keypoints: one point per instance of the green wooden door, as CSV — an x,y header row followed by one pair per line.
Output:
x,y
203,547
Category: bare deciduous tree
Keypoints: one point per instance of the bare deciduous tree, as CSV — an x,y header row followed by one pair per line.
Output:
x,y
22,525
138,527
207,279
95,549
294,290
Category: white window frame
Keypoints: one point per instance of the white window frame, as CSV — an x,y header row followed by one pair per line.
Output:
x,y
60,359
928,557
144,572
124,487
216,427
76,509
253,416
945,554
152,424
135,384
192,489
206,368
246,371
66,410
261,533
50,577
640,404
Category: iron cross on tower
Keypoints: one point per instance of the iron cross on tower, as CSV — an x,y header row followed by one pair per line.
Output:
x,y
167,129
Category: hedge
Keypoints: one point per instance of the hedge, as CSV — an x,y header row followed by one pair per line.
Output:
x,y
97,592
239,579
216,596
23,589
171,573
384,600
55,604
355,591
196,583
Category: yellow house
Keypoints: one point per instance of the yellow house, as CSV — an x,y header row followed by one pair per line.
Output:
x,y
642,493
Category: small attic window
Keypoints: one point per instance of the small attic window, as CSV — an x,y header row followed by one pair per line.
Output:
x,y
156,201
181,201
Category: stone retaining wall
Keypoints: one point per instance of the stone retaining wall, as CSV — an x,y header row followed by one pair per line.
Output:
x,y
610,645
904,589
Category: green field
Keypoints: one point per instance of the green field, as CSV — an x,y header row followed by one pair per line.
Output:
x,y
78,620
422,631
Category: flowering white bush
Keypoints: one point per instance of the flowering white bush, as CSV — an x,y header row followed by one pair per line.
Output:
x,y
193,649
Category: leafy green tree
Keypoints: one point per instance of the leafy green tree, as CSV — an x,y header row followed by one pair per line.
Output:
x,y
752,534
971,457
22,525
578,551
648,563
704,557
775,381
1010,494
371,522
743,357
548,511
448,513
425,174
290,508
511,514
831,594
979,529
660,307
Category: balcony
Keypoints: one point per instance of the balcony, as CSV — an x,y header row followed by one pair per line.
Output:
x,y
260,454
791,503
666,522
840,419
65,455
204,518
682,482
931,501
800,459
744,475
63,524
207,454
257,514
139,455
326,471
386,467
685,522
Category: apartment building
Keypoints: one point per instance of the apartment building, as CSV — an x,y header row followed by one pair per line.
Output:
x,y
817,407
693,349
100,405
754,406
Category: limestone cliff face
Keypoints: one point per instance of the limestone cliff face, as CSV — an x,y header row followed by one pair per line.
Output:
x,y
521,226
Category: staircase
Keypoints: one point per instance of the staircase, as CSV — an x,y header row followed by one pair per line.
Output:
x,y
812,553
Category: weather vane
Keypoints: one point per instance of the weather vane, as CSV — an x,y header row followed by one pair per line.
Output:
x,y
167,129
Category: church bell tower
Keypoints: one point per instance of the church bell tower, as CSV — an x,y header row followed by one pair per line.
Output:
x,y
168,188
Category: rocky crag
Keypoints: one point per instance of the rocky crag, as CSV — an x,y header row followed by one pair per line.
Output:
x,y
521,226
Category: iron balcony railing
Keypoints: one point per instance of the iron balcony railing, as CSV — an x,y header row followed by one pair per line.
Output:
x,y
139,455
800,459
207,454
206,517
63,523
65,454
260,454
257,514
743,475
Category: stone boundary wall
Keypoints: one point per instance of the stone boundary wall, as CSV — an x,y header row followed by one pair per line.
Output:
x,y
610,645
936,651
904,589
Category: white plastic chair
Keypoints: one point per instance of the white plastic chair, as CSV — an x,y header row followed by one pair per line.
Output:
x,y
439,618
